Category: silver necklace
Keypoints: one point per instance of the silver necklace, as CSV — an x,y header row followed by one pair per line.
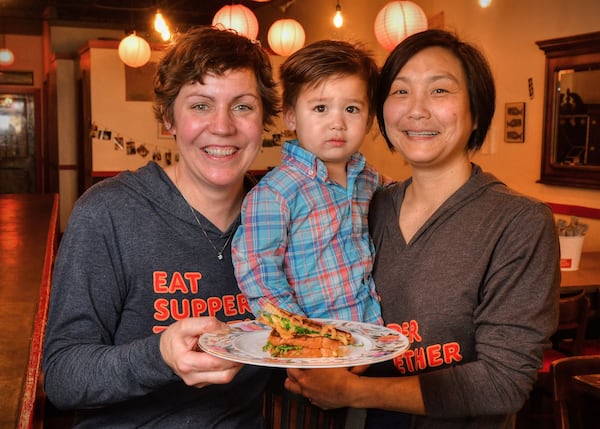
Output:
x,y
229,237
219,252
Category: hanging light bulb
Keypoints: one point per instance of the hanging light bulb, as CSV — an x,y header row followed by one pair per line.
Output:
x,y
159,22
161,26
485,3
338,19
7,58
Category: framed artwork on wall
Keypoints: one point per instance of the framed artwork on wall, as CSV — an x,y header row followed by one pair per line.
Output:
x,y
514,123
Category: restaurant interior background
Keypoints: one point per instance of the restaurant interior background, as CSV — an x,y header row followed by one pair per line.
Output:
x,y
507,32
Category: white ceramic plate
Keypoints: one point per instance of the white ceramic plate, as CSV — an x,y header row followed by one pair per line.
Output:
x,y
246,340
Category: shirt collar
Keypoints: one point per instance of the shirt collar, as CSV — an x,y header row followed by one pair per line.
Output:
x,y
308,163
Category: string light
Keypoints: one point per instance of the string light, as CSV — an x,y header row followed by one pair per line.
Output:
x,y
338,19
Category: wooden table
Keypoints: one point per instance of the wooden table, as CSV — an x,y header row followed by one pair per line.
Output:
x,y
28,239
587,276
588,383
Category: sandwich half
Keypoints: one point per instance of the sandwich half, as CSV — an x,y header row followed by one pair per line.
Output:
x,y
293,335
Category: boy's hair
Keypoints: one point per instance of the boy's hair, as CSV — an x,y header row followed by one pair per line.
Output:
x,y
204,50
321,60
480,81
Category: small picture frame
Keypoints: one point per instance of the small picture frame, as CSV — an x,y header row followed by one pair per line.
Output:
x,y
514,122
163,133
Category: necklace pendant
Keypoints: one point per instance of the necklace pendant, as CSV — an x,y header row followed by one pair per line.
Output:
x,y
220,256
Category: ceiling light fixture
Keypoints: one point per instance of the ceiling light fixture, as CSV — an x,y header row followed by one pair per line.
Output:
x,y
161,26
134,51
396,21
7,58
338,19
239,18
286,36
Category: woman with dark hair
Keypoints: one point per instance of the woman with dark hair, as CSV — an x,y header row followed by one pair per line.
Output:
x,y
466,268
144,267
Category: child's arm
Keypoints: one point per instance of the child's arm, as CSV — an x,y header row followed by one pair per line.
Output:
x,y
259,249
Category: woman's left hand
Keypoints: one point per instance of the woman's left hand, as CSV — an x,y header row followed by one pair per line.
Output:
x,y
325,388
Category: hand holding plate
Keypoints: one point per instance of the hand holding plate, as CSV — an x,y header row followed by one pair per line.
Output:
x,y
178,347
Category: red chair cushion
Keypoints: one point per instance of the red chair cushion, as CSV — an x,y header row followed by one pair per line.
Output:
x,y
550,355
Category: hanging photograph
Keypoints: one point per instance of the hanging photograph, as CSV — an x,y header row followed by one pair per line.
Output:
x,y
514,123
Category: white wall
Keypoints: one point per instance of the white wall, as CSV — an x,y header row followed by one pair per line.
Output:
x,y
67,141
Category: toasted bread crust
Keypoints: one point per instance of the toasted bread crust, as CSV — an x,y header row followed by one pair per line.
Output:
x,y
287,328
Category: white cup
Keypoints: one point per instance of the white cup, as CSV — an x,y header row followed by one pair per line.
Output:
x,y
570,252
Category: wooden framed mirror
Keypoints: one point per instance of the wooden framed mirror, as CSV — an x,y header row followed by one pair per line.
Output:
x,y
571,141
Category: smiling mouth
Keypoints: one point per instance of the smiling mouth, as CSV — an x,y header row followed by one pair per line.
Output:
x,y
220,151
421,133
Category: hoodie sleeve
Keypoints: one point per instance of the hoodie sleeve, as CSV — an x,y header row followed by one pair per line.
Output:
x,y
83,367
517,313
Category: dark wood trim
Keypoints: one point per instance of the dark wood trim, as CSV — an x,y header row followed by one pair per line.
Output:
x,y
579,211
574,52
32,390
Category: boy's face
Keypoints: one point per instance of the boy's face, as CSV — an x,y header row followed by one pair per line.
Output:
x,y
331,119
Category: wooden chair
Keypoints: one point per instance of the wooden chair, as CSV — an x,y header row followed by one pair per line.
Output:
x,y
573,312
573,316
572,323
286,410
568,404
590,345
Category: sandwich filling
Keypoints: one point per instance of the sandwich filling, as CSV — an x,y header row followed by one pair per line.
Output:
x,y
293,335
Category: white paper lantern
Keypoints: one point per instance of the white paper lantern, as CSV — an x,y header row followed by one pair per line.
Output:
x,y
398,20
134,51
286,36
239,18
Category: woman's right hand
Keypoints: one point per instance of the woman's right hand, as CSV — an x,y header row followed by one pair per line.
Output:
x,y
179,349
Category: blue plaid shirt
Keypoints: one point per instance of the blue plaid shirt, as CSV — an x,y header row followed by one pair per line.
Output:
x,y
304,241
